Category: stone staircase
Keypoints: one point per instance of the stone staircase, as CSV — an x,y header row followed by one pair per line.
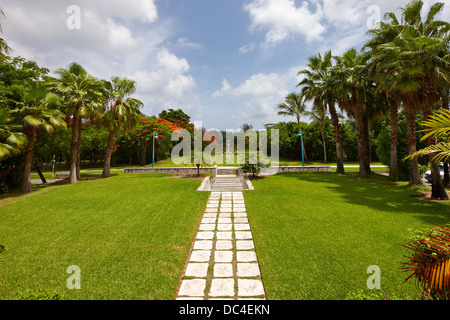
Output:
x,y
227,182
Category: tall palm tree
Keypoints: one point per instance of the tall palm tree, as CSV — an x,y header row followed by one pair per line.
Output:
x,y
319,114
418,56
39,112
294,106
121,113
384,75
354,92
318,86
82,95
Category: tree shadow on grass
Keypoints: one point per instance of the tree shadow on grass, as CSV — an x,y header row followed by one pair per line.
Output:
x,y
379,193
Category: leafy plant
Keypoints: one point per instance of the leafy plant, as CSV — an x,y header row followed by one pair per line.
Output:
x,y
430,262
40,295
253,168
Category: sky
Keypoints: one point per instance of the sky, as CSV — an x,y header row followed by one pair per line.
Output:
x,y
223,62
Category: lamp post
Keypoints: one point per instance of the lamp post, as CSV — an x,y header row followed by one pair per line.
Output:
x,y
155,135
300,133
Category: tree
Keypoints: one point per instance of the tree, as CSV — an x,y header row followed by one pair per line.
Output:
x,y
418,56
355,92
4,48
121,113
436,126
319,114
294,105
174,115
12,142
318,86
82,95
39,112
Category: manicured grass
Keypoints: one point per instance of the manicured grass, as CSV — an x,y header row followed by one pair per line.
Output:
x,y
129,234
317,233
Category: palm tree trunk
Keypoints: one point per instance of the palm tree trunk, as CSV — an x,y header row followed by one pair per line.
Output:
x,y
337,137
74,148
437,188
79,153
28,160
446,181
361,135
393,166
107,163
414,174
324,146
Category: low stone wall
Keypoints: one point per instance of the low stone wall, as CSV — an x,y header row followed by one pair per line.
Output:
x,y
184,171
187,171
307,168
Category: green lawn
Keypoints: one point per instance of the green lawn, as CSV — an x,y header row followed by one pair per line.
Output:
x,y
129,234
316,234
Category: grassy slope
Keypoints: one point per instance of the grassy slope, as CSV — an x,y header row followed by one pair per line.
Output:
x,y
129,234
316,234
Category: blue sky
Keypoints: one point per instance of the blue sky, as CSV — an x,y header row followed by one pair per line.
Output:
x,y
224,62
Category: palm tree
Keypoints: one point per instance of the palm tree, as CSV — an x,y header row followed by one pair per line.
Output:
x,y
82,95
384,75
436,126
12,141
318,86
294,105
121,113
418,56
4,48
39,112
319,114
354,93
430,262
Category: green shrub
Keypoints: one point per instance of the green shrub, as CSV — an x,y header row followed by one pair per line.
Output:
x,y
40,295
253,168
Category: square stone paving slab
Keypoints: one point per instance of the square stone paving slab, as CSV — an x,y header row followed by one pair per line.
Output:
x,y
222,288
207,226
245,256
224,226
205,235
248,270
224,245
200,256
245,245
241,226
199,270
243,235
223,270
250,287
203,245
192,288
223,256
224,235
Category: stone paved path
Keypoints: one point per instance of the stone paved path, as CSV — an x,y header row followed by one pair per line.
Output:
x,y
223,263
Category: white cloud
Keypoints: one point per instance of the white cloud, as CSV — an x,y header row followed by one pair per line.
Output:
x,y
224,90
246,48
116,38
283,19
261,93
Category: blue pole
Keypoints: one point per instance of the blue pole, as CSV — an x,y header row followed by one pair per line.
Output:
x,y
153,158
301,137
303,155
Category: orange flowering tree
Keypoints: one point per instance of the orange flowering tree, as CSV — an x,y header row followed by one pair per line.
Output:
x,y
140,140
